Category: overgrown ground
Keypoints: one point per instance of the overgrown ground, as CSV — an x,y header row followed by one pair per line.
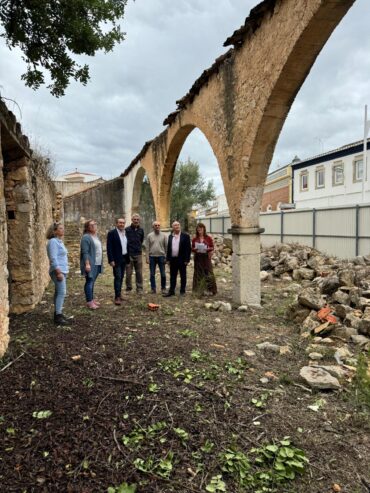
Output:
x,y
169,401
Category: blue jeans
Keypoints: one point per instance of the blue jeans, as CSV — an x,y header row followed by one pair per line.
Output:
x,y
60,292
161,262
90,281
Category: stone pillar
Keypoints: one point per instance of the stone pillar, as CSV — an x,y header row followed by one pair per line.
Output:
x,y
246,265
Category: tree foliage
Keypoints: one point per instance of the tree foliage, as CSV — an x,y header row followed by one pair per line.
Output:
x,y
189,189
48,32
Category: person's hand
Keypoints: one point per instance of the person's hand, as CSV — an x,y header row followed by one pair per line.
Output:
x,y
87,267
60,276
112,264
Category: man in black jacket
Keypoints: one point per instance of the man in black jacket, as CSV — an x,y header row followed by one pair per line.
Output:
x,y
135,238
118,256
178,256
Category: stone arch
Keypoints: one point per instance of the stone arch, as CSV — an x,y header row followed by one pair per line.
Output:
x,y
292,75
175,146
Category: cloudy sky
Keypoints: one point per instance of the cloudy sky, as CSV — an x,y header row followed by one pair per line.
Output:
x,y
101,127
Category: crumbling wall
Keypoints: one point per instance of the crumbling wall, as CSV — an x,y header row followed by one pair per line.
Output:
x,y
102,203
30,198
4,303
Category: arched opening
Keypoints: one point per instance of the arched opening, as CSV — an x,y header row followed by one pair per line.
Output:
x,y
192,184
136,190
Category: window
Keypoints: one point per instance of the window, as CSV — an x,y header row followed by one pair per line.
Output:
x,y
338,174
304,181
320,177
358,169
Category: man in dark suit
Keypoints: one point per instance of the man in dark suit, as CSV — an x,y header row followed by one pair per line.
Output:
x,y
178,256
118,256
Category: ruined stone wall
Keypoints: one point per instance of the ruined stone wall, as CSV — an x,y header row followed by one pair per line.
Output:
x,y
102,203
4,303
70,188
30,199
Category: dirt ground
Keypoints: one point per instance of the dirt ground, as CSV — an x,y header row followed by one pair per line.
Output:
x,y
158,400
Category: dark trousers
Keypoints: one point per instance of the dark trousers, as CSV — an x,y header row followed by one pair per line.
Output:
x,y
177,266
119,273
153,262
136,262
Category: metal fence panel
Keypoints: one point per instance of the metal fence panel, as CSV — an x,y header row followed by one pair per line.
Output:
x,y
271,223
364,221
364,247
335,222
302,240
268,241
298,223
343,231
339,247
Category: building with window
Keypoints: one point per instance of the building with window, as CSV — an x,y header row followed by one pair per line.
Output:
x,y
331,179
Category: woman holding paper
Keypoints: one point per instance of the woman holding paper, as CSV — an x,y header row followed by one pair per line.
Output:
x,y
204,281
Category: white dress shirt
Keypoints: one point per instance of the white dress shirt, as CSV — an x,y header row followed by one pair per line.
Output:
x,y
122,237
175,245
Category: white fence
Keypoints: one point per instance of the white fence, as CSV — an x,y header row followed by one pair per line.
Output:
x,y
341,231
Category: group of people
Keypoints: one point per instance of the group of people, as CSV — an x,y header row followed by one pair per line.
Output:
x,y
125,255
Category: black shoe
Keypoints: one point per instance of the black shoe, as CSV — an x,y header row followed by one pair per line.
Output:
x,y
68,318
153,291
166,295
128,289
59,320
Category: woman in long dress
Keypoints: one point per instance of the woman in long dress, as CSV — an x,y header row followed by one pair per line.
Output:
x,y
204,281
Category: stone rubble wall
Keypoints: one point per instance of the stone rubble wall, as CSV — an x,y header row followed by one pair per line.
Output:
x,y
30,200
4,300
103,203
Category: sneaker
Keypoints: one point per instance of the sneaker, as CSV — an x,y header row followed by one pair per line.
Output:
x,y
68,318
91,305
117,301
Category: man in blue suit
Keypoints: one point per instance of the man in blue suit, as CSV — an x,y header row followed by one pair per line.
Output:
x,y
178,256
118,256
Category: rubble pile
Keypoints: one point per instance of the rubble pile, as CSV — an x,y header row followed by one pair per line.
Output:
x,y
333,295
222,255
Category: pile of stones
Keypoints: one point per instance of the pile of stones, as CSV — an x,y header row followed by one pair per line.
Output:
x,y
222,255
342,285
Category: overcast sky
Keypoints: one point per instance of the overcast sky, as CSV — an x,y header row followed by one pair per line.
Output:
x,y
101,127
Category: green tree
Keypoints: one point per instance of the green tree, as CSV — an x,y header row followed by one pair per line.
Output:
x,y
189,188
49,31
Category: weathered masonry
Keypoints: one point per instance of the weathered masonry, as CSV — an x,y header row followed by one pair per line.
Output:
x,y
27,200
240,104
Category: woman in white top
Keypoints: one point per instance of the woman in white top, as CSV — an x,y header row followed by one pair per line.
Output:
x,y
91,261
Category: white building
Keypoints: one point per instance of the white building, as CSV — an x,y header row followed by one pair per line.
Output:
x,y
331,179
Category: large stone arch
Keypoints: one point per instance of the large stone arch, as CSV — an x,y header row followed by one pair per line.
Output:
x,y
175,143
240,104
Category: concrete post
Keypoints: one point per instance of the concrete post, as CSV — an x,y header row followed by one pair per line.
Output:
x,y
246,265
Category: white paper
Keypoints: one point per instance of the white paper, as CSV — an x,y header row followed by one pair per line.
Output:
x,y
201,247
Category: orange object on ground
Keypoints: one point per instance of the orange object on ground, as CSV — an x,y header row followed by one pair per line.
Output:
x,y
153,307
332,319
324,312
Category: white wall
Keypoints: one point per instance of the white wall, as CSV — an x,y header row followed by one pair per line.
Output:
x,y
349,193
